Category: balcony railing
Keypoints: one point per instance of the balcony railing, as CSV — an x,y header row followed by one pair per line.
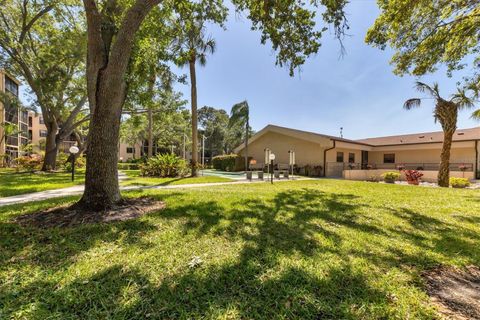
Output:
x,y
466,167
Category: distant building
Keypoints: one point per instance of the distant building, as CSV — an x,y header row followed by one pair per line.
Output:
x,y
362,159
11,145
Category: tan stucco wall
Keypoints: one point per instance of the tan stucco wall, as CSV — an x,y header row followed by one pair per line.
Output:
x,y
36,127
334,168
332,155
429,176
124,156
457,155
305,152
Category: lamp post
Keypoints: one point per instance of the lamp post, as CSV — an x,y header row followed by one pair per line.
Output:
x,y
271,157
73,150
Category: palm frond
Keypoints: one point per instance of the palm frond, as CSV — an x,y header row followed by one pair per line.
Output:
x,y
412,103
239,113
202,59
425,88
462,100
476,114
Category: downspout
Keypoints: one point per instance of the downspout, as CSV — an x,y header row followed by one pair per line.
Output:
x,y
325,157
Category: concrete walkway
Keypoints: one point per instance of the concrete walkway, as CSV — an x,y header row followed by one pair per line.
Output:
x,y
77,190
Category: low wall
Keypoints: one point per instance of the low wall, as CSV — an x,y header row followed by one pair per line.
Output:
x,y
429,176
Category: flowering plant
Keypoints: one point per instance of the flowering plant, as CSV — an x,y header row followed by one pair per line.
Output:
x,y
413,176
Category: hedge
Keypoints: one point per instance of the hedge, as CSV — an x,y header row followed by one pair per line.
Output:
x,y
229,162
128,166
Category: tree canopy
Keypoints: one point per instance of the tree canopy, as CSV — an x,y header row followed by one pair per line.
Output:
x,y
43,43
428,34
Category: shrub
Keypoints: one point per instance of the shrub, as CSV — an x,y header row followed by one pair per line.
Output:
x,y
459,182
128,166
229,162
391,176
413,176
80,162
29,163
224,162
165,165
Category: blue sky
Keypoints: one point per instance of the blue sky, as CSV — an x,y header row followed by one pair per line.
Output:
x,y
358,92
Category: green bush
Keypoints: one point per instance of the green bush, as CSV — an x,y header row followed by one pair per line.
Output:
x,y
29,163
391,176
459,182
165,165
80,162
229,162
128,166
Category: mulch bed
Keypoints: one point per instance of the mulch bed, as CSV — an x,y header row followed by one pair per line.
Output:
x,y
66,216
455,292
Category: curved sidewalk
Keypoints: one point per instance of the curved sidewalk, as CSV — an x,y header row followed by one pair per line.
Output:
x,y
77,190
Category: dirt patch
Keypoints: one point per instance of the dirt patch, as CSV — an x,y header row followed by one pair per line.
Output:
x,y
456,292
70,216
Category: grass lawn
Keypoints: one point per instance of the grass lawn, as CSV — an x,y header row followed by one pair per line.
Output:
x,y
12,183
322,249
134,179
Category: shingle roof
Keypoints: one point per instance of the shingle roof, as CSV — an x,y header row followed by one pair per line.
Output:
x,y
425,137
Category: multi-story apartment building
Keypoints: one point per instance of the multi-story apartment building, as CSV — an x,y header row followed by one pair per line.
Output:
x,y
11,144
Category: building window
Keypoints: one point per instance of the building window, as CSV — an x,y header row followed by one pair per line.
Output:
x,y
40,119
389,158
24,117
339,156
43,133
130,150
11,86
30,122
351,157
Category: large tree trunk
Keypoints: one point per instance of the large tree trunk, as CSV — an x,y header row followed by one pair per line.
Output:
x,y
51,148
193,79
101,179
444,170
107,63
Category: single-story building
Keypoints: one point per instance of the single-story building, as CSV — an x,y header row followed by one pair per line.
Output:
x,y
368,158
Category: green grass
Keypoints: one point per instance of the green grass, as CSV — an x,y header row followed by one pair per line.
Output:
x,y
12,183
323,249
134,179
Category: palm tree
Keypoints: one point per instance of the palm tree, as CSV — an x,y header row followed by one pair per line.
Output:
x,y
194,45
240,115
445,112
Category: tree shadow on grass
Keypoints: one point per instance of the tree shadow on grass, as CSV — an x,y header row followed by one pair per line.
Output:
x,y
238,290
430,234
259,283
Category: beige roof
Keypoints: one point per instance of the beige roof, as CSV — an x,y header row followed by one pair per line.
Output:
x,y
414,138
425,137
304,135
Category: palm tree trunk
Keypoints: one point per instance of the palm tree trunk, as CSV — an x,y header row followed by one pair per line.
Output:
x,y
444,170
150,133
193,80
151,87
246,144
